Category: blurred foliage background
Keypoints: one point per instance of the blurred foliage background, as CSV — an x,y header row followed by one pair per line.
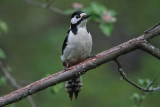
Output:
x,y
32,39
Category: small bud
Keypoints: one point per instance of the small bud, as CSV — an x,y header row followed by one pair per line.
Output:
x,y
107,17
77,5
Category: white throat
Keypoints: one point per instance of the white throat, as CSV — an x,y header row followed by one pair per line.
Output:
x,y
82,24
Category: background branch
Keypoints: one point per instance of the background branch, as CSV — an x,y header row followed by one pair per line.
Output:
x,y
13,82
81,68
132,83
23,82
45,6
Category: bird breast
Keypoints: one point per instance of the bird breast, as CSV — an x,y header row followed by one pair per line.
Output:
x,y
78,46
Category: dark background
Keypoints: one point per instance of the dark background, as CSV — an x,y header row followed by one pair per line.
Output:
x,y
33,49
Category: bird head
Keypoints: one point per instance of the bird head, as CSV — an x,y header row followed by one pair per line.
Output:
x,y
79,19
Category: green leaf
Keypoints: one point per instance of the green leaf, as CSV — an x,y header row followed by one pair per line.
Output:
x,y
56,89
2,54
98,11
2,81
135,97
95,18
3,26
87,10
106,28
98,8
144,82
69,11
140,81
143,97
112,12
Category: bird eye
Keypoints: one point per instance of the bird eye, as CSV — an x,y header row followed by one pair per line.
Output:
x,y
77,16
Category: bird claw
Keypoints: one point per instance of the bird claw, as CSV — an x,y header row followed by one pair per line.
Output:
x,y
91,56
67,69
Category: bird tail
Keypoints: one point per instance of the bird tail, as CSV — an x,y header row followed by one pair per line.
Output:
x,y
74,86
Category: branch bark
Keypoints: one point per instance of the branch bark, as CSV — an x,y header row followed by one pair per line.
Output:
x,y
83,67
149,48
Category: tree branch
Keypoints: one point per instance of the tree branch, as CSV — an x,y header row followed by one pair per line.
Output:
x,y
81,68
9,77
149,48
45,6
14,83
132,83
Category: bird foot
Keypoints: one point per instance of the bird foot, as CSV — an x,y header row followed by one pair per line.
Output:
x,y
67,69
91,56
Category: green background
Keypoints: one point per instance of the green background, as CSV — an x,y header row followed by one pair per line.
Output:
x,y
33,49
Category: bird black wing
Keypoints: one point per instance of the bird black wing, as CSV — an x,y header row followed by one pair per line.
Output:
x,y
65,42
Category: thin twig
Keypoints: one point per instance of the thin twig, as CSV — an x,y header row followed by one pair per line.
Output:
x,y
45,6
143,93
31,101
9,77
150,29
148,33
152,82
132,83
13,82
49,3
125,77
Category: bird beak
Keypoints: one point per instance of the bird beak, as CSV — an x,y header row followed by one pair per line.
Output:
x,y
86,16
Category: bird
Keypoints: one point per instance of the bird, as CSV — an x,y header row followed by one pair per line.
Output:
x,y
76,48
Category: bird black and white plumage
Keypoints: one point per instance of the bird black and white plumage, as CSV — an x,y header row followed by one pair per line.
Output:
x,y
76,48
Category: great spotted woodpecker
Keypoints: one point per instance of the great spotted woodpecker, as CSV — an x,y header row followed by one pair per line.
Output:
x,y
76,48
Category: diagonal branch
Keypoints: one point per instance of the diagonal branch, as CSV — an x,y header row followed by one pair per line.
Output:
x,y
14,83
152,82
49,3
9,77
81,68
149,48
132,83
45,6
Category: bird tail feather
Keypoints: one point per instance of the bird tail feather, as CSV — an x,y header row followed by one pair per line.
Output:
x,y
74,86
